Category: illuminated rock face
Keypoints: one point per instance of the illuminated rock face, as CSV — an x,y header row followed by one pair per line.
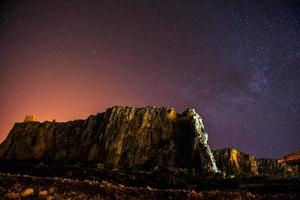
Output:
x,y
292,159
29,118
120,137
233,162
201,147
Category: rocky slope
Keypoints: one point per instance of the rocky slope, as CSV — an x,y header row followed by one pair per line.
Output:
x,y
125,137
233,162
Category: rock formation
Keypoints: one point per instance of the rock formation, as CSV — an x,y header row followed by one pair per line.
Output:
x,y
126,137
235,163
291,159
201,147
29,118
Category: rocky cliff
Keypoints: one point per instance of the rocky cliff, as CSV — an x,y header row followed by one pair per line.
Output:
x,y
291,159
126,137
233,162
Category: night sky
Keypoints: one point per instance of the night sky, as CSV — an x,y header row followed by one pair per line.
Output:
x,y
236,62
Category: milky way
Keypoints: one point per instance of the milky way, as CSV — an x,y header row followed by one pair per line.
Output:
x,y
236,62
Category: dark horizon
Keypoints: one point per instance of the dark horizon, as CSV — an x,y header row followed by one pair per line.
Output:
x,y
235,62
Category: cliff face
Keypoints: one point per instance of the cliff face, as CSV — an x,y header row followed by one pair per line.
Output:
x,y
233,162
120,137
291,159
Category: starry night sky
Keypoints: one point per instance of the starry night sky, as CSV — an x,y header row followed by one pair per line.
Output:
x,y
236,62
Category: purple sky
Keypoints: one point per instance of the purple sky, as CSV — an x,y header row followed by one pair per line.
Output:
x,y
236,62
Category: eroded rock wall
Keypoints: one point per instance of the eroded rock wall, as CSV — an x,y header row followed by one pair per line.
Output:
x,y
126,137
233,162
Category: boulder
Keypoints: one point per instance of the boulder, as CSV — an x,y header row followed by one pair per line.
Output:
x,y
27,192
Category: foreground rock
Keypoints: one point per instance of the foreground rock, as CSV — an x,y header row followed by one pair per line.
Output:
x,y
27,192
127,137
93,189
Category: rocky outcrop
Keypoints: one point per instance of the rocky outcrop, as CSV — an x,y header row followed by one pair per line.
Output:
x,y
291,159
201,147
232,162
235,163
272,167
126,137
29,118
287,165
